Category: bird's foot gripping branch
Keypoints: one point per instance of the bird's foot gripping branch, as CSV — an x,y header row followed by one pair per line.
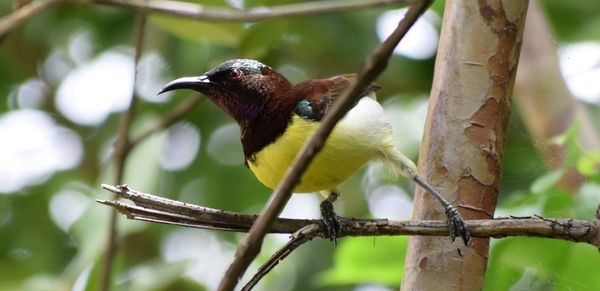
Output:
x,y
456,224
331,221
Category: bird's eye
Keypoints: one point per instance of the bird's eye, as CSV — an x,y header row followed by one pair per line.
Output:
x,y
235,74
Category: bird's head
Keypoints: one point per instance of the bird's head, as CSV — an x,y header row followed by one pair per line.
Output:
x,y
241,87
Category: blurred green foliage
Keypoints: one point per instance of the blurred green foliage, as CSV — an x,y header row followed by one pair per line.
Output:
x,y
37,254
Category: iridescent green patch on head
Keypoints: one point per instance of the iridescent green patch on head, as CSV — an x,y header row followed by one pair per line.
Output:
x,y
246,65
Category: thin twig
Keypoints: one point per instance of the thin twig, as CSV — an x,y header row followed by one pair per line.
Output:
x,y
163,210
202,12
299,238
170,118
22,14
157,209
375,63
122,148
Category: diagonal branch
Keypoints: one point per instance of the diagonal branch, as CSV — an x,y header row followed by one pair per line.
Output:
x,y
375,63
202,12
299,238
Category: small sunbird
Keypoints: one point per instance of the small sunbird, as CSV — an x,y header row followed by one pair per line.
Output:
x,y
276,117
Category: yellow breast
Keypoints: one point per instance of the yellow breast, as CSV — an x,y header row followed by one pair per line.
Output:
x,y
351,144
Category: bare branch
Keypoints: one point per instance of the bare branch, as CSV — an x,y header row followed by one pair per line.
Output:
x,y
375,63
162,210
22,14
157,209
202,12
153,208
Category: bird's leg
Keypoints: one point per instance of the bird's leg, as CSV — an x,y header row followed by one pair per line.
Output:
x,y
404,166
330,220
456,224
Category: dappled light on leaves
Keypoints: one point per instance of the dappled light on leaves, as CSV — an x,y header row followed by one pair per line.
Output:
x,y
224,145
181,146
31,94
67,206
56,67
407,119
151,76
390,201
421,40
206,255
95,89
33,148
80,47
302,207
580,66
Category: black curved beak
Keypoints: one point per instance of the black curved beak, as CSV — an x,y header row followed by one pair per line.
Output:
x,y
195,83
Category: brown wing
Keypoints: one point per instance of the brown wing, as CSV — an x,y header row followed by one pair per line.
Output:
x,y
317,96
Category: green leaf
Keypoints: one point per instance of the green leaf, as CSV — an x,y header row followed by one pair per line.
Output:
x,y
589,163
367,260
194,30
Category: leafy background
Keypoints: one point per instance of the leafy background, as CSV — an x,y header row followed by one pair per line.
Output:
x,y
56,141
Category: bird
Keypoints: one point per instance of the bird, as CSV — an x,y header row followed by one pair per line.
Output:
x,y
276,117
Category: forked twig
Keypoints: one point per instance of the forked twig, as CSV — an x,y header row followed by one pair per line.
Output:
x,y
299,238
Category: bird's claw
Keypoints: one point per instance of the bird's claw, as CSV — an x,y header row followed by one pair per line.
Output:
x,y
331,221
457,225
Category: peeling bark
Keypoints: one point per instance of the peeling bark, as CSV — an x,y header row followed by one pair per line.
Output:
x,y
462,150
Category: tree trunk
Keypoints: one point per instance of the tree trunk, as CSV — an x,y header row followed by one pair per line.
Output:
x,y
461,152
